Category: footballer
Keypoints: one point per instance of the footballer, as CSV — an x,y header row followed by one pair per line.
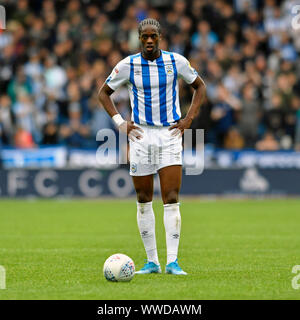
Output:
x,y
155,134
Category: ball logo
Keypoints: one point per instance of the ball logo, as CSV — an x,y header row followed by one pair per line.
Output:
x,y
119,267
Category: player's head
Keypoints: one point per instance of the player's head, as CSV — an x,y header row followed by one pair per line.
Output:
x,y
149,35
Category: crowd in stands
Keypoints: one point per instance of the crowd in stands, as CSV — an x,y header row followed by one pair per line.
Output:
x,y
55,55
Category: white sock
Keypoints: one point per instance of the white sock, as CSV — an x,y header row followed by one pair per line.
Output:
x,y
146,224
172,222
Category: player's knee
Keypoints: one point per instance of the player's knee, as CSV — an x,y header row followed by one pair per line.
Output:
x,y
171,197
143,196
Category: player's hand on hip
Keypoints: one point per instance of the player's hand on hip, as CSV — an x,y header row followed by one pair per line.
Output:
x,y
180,126
131,130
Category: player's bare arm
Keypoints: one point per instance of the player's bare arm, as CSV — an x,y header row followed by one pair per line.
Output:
x,y
124,126
197,100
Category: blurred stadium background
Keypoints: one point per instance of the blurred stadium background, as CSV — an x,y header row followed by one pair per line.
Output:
x,y
54,56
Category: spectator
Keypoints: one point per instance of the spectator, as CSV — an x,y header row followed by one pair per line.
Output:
x,y
50,134
23,110
22,11
234,79
249,115
23,139
214,75
233,139
274,117
55,77
6,121
223,113
245,49
275,24
232,47
267,143
7,58
204,38
19,85
285,90
287,50
75,132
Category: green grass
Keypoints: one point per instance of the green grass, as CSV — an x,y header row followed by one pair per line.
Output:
x,y
231,249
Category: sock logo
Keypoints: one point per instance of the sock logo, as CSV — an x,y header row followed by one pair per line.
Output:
x,y
144,233
175,236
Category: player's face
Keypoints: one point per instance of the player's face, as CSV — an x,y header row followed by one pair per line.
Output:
x,y
149,39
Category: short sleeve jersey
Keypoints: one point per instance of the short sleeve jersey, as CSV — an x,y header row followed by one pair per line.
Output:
x,y
153,86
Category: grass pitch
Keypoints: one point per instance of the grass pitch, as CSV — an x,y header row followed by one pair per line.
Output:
x,y
231,249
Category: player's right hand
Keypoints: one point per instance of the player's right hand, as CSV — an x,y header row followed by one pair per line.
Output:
x,y
133,132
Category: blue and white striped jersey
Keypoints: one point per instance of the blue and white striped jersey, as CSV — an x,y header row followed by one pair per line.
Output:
x,y
153,86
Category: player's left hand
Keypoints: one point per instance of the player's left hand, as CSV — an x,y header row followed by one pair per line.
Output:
x,y
178,128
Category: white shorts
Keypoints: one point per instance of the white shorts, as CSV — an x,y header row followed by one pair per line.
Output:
x,y
157,149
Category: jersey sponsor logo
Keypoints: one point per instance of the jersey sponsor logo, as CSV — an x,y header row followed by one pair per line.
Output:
x,y
114,73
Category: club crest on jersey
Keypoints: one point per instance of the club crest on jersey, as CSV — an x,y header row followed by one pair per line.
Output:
x,y
169,69
133,167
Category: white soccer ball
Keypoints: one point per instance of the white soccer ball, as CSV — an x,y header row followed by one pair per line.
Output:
x,y
118,267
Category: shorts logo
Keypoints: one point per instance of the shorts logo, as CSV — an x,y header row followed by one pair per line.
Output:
x,y
169,69
133,167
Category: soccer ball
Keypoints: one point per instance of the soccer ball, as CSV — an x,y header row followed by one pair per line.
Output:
x,y
118,267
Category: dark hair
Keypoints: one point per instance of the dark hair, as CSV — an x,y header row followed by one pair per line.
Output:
x,y
149,21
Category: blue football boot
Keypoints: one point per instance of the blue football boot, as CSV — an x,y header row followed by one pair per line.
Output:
x,y
173,268
149,267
